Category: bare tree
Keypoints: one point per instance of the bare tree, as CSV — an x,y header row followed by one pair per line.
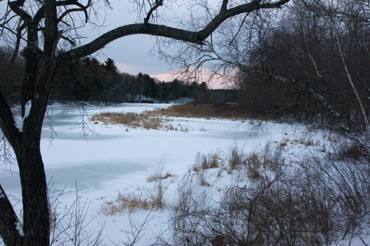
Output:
x,y
334,12
42,26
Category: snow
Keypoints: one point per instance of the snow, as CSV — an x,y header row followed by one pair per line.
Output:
x,y
18,121
19,228
27,109
95,162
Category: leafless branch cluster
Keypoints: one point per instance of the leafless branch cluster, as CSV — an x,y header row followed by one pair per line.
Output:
x,y
70,224
320,201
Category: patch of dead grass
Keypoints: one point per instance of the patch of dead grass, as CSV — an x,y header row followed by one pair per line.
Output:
x,y
133,201
159,176
203,162
158,119
127,202
146,120
223,111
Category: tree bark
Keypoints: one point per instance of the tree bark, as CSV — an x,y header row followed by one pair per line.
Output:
x,y
34,195
9,222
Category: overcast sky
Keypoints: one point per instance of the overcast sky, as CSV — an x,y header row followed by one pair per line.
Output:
x,y
132,53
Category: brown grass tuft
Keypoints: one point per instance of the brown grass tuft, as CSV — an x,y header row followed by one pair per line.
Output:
x,y
224,111
236,159
133,201
156,177
157,119
204,162
146,120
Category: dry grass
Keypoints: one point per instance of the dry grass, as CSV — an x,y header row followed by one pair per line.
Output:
x,y
159,176
320,201
204,162
236,159
150,199
146,120
158,119
224,111
133,201
269,159
129,202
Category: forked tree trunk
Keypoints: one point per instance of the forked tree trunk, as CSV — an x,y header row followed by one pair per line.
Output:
x,y
34,226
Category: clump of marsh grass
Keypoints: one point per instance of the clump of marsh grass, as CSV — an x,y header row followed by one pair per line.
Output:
x,y
146,120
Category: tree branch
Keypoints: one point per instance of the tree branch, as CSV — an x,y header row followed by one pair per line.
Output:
x,y
333,114
244,8
79,5
150,29
20,28
165,31
7,123
15,7
224,5
156,5
10,227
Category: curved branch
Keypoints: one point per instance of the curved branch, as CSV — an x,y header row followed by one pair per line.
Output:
x,y
79,5
150,29
244,8
69,40
41,12
15,7
165,31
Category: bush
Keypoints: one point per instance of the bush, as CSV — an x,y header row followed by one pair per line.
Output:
x,y
315,202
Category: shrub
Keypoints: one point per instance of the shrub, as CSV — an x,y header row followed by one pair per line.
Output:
x,y
315,202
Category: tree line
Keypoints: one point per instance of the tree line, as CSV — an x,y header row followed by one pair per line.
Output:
x,y
311,62
88,79
308,60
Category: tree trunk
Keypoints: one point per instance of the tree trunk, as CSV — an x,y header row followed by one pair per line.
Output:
x,y
36,229
34,193
26,145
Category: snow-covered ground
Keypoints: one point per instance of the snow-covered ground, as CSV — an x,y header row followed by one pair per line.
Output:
x,y
103,161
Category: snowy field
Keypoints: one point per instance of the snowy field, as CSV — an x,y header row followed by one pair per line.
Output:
x,y
97,162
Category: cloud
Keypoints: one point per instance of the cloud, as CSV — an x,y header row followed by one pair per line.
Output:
x,y
129,68
164,76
